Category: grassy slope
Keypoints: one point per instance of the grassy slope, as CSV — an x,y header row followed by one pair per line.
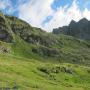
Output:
x,y
71,50
68,49
20,65
20,68
24,73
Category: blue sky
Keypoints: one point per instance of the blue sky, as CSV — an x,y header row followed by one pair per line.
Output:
x,y
47,14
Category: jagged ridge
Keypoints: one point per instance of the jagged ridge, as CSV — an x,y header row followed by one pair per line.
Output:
x,y
79,29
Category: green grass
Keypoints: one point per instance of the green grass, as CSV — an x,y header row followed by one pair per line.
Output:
x,y
24,73
27,70
20,68
68,49
71,50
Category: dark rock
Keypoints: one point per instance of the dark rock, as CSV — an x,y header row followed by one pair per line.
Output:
x,y
45,51
4,30
79,29
67,70
5,36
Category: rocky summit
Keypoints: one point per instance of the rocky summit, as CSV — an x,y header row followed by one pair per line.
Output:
x,y
80,29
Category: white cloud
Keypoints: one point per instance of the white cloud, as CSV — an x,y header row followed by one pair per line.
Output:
x,y
64,15
35,11
6,6
2,5
86,13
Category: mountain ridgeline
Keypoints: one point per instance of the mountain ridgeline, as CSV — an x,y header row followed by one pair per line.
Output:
x,y
20,39
80,29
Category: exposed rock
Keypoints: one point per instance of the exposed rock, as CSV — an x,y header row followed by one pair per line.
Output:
x,y
4,30
45,51
57,69
79,29
5,36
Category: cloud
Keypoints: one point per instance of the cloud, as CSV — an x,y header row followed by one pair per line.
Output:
x,y
39,13
6,6
86,13
35,11
2,4
64,15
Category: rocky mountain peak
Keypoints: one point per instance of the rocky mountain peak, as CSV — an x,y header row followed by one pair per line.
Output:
x,y
72,23
80,29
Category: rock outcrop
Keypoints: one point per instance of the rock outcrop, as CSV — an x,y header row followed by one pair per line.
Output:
x,y
79,29
5,31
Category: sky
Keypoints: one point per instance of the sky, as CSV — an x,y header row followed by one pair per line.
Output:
x,y
47,14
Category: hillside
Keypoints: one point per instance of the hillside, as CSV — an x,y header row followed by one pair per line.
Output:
x,y
30,74
30,42
33,59
80,29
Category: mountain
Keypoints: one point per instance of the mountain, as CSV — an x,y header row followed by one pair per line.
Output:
x,y
32,59
80,29
29,42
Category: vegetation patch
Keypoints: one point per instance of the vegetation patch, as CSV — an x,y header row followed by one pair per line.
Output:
x,y
57,69
45,51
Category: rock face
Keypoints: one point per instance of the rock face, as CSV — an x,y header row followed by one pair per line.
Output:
x,y
79,29
47,52
11,26
28,33
5,34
